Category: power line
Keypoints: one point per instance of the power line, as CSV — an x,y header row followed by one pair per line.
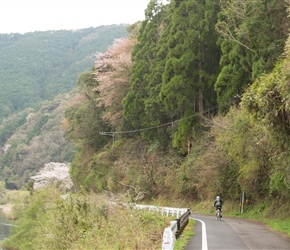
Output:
x,y
158,126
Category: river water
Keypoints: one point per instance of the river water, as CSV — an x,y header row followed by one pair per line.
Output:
x,y
5,226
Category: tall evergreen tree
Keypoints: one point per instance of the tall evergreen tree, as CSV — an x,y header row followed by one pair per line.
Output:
x,y
192,64
156,116
136,104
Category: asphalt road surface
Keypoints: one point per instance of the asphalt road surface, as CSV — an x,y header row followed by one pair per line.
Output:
x,y
234,234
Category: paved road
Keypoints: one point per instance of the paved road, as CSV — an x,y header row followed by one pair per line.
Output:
x,y
234,234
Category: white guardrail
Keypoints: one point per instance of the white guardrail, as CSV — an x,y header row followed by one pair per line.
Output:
x,y
176,227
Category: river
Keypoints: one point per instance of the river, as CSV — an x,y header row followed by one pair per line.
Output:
x,y
5,226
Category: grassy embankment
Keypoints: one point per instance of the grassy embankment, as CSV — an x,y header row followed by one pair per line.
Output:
x,y
82,221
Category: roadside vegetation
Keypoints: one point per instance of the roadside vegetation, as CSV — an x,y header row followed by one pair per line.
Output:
x,y
11,198
83,221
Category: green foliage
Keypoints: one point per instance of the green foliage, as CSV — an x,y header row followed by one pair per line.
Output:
x,y
267,101
184,134
85,125
98,168
230,83
245,147
9,127
257,140
85,117
2,192
30,217
250,42
36,130
141,102
186,80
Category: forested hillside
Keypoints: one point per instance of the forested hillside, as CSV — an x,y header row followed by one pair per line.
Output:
x,y
36,137
37,66
190,105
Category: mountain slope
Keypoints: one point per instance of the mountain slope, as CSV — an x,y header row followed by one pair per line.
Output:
x,y
37,66
34,137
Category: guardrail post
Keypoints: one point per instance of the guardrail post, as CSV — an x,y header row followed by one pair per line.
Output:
x,y
177,234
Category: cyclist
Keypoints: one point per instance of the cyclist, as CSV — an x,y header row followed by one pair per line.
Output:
x,y
218,203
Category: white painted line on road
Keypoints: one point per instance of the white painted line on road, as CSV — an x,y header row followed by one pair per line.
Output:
x,y
204,236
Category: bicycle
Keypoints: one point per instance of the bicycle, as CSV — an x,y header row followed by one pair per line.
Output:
x,y
218,214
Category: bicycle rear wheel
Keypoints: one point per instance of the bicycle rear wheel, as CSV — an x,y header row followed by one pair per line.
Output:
x,y
218,215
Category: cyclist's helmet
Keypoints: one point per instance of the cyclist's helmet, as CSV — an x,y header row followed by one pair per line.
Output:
x,y
217,197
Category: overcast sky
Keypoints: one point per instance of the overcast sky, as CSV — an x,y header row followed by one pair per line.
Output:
x,y
22,16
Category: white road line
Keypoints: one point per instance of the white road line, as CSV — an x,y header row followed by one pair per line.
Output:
x,y
204,236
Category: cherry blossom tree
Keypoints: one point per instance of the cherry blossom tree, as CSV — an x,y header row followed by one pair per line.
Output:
x,y
113,69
